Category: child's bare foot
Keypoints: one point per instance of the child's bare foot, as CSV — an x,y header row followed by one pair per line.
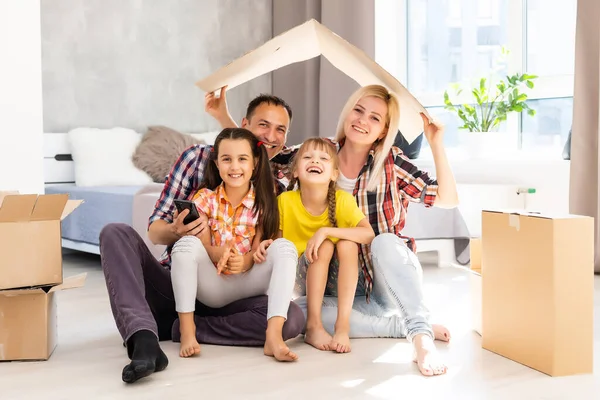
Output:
x,y
340,342
441,333
427,357
318,337
276,347
189,345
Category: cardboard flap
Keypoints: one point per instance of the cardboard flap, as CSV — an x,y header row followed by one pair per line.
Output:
x,y
310,40
71,205
17,208
49,207
517,213
5,193
21,292
71,282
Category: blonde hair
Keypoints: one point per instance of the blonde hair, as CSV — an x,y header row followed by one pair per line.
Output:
x,y
382,149
321,145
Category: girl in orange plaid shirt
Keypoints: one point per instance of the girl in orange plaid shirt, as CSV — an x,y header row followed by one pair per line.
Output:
x,y
237,196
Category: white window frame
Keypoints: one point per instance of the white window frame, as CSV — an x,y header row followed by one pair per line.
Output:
x,y
391,22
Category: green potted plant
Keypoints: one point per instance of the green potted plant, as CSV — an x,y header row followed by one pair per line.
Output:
x,y
493,99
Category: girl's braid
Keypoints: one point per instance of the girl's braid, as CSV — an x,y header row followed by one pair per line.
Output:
x,y
331,200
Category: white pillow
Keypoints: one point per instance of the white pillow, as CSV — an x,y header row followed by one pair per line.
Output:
x,y
102,157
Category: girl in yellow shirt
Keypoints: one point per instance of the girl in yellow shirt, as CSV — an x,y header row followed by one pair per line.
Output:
x,y
319,219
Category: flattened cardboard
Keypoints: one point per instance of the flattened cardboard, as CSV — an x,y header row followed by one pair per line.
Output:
x,y
28,321
538,290
310,40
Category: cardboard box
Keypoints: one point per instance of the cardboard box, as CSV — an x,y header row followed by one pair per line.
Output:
x,y
28,323
30,239
538,290
475,254
312,39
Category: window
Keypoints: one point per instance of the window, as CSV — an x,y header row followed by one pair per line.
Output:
x,y
430,44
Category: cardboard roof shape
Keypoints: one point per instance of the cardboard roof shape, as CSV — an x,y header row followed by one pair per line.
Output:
x,y
310,40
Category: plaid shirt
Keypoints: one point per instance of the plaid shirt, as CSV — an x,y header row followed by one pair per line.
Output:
x,y
401,183
184,181
228,223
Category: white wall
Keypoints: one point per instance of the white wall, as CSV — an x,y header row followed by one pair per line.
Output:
x,y
492,184
21,112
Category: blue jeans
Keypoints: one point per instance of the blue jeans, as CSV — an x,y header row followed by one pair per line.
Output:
x,y
397,308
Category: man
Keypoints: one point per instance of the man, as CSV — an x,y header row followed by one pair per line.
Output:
x,y
139,286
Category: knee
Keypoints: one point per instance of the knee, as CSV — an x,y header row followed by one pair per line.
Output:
x,y
283,248
388,243
187,244
294,325
115,231
345,247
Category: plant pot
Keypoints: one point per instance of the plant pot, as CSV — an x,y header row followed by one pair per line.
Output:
x,y
485,144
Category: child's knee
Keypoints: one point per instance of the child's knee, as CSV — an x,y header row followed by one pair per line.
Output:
x,y
346,247
327,247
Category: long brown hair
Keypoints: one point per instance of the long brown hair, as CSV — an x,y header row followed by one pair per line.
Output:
x,y
262,179
321,145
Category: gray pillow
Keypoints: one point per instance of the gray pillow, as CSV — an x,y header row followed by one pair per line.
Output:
x,y
158,150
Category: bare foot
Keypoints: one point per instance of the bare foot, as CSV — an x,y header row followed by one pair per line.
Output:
x,y
427,357
441,333
318,338
340,342
276,347
189,345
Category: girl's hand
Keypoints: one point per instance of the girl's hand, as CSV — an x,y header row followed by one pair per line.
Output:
x,y
222,264
235,263
312,247
260,255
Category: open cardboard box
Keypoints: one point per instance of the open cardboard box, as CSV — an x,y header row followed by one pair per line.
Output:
x,y
28,321
312,39
30,238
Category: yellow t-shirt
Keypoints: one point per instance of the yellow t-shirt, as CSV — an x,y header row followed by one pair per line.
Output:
x,y
298,225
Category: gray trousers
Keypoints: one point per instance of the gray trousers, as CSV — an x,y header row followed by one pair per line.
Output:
x,y
195,278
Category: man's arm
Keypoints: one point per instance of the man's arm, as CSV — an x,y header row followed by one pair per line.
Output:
x,y
217,108
183,179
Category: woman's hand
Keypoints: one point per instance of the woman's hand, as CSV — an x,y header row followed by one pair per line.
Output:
x,y
260,255
312,247
434,131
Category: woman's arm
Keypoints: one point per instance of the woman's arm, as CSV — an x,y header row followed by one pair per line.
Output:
x,y
363,232
447,195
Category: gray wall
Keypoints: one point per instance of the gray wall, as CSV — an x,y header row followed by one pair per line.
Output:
x,y
133,63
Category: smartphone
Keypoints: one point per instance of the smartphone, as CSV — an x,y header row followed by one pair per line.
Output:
x,y
187,205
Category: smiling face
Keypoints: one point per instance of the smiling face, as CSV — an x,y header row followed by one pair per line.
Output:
x,y
316,164
367,121
270,124
235,162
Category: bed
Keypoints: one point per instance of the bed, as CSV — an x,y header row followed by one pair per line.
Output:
x,y
97,168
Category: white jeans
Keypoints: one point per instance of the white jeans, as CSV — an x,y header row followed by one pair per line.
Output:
x,y
194,277
397,308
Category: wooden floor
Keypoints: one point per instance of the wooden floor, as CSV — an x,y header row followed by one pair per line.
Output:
x,y
88,361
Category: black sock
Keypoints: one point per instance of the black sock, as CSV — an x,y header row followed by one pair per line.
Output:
x,y
146,356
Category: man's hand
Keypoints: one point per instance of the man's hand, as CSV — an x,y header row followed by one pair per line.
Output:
x,y
194,228
260,255
312,247
216,107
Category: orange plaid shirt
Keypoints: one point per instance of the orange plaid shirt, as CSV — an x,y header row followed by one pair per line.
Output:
x,y
228,223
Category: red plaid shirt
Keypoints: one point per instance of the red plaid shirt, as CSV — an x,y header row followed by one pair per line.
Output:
x,y
401,183
183,182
